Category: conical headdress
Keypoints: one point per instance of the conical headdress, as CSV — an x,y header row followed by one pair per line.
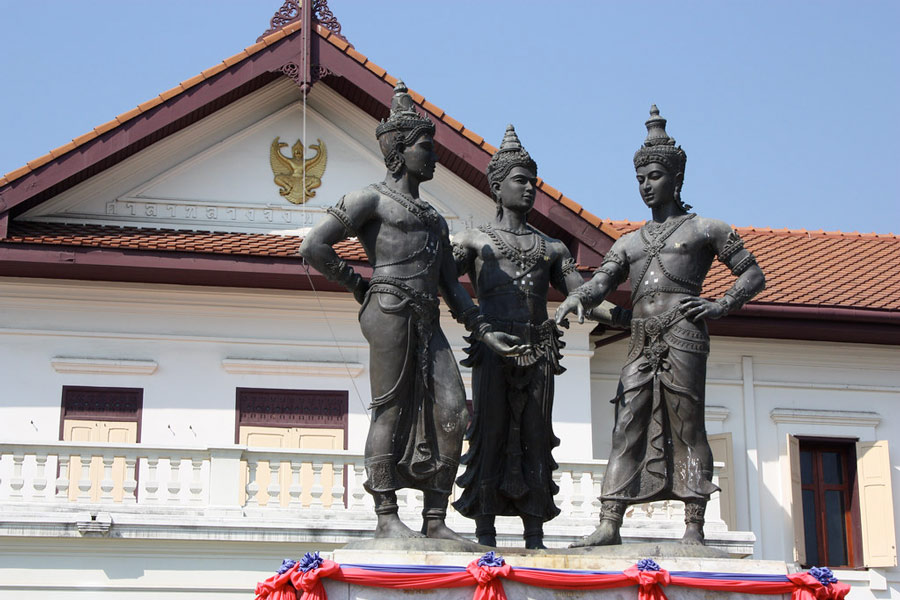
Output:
x,y
404,117
511,154
659,147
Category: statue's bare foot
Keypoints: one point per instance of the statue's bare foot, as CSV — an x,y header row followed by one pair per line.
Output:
x,y
693,535
390,526
606,534
437,529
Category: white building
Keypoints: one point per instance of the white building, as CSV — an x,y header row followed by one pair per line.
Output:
x,y
184,404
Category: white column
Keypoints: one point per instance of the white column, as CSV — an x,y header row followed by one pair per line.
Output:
x,y
572,401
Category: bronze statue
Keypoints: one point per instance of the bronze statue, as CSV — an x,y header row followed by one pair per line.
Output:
x,y
659,447
509,464
418,406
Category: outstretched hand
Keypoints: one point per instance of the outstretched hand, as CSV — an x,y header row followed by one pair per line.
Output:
x,y
505,344
695,308
570,305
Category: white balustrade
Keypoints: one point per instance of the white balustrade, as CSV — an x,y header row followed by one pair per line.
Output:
x,y
253,482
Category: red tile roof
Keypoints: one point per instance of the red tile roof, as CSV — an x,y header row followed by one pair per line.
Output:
x,y
816,268
136,238
802,267
342,45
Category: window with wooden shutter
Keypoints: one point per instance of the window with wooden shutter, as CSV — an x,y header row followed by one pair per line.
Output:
x,y
301,419
99,414
841,502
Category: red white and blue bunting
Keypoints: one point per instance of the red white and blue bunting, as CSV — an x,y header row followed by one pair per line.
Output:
x,y
488,572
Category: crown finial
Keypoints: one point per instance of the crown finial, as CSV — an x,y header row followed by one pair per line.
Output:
x,y
656,130
510,141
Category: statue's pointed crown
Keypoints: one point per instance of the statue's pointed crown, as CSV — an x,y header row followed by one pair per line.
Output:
x,y
659,147
404,116
510,141
511,154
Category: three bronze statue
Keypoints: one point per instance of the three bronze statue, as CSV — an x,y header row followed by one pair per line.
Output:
x,y
419,414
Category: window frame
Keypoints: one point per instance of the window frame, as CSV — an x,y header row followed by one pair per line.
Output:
x,y
107,411
846,447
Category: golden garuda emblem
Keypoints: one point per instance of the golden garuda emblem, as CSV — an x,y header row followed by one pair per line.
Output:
x,y
289,171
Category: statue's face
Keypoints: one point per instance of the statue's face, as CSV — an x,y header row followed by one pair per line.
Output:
x,y
517,191
420,158
656,184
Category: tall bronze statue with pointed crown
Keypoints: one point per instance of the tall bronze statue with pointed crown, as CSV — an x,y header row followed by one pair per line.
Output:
x,y
509,467
418,400
659,446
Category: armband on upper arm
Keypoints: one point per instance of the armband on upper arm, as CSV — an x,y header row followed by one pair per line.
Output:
x,y
743,264
734,256
460,257
733,245
614,266
568,266
339,212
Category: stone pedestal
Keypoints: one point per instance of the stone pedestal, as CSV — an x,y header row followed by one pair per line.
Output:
x,y
670,556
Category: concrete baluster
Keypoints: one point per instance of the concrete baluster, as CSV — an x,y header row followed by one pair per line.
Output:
x,y
17,482
62,481
129,485
84,479
296,489
151,485
174,484
274,487
337,487
106,484
196,487
39,484
252,484
316,490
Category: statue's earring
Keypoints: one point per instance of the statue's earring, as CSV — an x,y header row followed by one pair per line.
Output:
x,y
394,162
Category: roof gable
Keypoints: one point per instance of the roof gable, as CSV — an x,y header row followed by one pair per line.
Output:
x,y
217,174
345,70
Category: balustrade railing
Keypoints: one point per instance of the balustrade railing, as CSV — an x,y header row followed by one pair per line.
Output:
x,y
254,482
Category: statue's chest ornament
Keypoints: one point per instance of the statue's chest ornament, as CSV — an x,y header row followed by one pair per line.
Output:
x,y
654,237
525,261
425,255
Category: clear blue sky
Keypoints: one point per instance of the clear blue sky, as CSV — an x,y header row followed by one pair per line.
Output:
x,y
787,110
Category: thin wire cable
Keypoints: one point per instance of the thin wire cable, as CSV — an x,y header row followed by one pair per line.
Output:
x,y
336,342
304,141
312,285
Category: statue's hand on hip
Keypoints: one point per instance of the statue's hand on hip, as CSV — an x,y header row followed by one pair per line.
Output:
x,y
695,308
505,344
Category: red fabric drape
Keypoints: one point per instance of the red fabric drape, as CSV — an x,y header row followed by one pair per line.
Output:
x,y
277,587
747,587
488,583
569,581
416,581
649,582
310,582
489,587
810,588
